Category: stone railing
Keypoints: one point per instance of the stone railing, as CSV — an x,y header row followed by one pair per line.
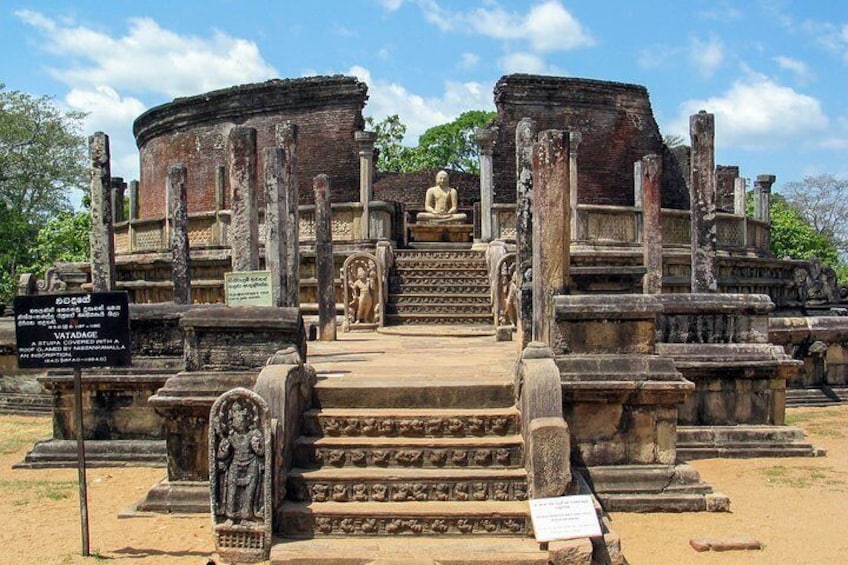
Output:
x,y
209,229
622,225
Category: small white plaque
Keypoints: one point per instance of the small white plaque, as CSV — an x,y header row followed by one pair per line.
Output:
x,y
564,517
248,288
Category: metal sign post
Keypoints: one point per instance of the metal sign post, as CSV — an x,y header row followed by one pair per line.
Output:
x,y
73,331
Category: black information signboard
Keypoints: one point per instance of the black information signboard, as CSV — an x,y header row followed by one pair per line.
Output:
x,y
73,330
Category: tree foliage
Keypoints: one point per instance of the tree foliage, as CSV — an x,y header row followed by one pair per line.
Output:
x,y
823,202
42,158
792,235
449,146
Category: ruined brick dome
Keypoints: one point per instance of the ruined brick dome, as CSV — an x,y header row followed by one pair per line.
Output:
x,y
192,131
617,127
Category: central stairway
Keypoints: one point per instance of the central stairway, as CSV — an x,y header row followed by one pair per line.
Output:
x,y
444,286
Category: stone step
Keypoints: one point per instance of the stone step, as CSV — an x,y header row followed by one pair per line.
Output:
x,y
477,550
26,403
405,484
453,309
742,441
411,422
337,519
402,255
427,263
818,396
447,391
439,319
429,283
312,452
443,298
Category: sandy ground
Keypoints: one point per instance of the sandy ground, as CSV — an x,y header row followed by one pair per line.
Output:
x,y
796,507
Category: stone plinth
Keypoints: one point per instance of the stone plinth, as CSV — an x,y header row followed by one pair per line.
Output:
x,y
239,338
820,343
720,343
449,233
620,400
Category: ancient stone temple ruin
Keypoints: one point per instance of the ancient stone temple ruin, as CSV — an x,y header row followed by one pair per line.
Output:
x,y
644,321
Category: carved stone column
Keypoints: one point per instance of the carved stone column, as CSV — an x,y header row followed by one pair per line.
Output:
x,y
287,138
219,234
365,140
180,250
525,136
651,182
324,259
485,138
244,229
276,246
100,236
702,194
739,187
118,187
133,214
574,139
762,188
551,228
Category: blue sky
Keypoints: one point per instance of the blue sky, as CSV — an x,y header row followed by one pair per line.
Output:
x,y
774,72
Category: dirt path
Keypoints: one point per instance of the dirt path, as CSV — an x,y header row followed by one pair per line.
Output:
x,y
795,506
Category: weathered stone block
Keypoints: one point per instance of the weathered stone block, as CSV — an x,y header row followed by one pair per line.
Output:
x,y
549,453
570,552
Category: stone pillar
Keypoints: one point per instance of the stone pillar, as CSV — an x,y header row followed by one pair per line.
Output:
x,y
726,176
702,194
574,139
276,245
181,265
117,188
365,140
133,215
525,136
551,227
244,227
651,182
485,138
762,187
324,259
287,138
638,193
739,187
100,236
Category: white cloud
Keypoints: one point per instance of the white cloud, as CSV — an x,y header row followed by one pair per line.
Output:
x,y
526,63
757,113
418,112
468,60
548,26
656,57
107,76
707,56
391,5
800,68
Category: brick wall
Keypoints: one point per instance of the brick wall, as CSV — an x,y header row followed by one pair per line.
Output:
x,y
616,123
193,131
410,188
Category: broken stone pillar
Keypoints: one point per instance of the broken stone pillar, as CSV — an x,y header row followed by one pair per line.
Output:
x,y
762,191
287,138
324,259
525,136
133,212
365,140
118,186
574,139
551,227
739,187
651,182
181,265
276,246
702,194
100,236
726,176
244,227
485,138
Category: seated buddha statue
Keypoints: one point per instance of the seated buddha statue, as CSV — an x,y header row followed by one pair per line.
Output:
x,y
440,204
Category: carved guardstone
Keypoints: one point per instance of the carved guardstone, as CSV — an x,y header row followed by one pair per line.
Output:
x,y
363,297
240,463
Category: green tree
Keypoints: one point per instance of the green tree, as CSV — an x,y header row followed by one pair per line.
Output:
x,y
449,146
793,236
42,158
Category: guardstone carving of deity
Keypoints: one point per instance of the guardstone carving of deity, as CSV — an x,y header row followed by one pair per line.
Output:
x,y
362,279
240,475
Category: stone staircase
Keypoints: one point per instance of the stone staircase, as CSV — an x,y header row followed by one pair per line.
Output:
x,y
391,467
816,396
443,287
